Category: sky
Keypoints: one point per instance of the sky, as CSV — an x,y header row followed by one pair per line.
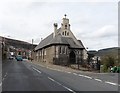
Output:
x,y
94,22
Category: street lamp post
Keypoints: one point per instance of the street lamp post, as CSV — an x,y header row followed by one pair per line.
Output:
x,y
32,50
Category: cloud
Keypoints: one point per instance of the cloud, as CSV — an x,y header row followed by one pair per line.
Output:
x,y
33,19
106,31
106,36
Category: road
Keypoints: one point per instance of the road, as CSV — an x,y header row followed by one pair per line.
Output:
x,y
26,76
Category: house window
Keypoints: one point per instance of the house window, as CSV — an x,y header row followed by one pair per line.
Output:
x,y
42,52
65,26
66,50
60,49
63,33
63,50
78,52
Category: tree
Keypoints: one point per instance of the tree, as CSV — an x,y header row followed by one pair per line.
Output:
x,y
108,61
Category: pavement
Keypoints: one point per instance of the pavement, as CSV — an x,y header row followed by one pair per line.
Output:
x,y
29,76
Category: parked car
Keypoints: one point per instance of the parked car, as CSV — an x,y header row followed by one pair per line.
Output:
x,y
19,58
115,69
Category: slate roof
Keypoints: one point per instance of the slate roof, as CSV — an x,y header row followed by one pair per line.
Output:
x,y
59,40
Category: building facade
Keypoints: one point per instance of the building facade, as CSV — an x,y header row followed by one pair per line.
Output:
x,y
61,47
12,47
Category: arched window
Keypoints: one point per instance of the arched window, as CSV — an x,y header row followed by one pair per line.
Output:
x,y
62,33
66,51
60,50
41,53
65,33
65,26
63,50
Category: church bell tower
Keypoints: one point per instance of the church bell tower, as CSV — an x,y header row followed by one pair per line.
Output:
x,y
65,26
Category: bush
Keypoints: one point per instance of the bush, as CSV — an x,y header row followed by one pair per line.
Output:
x,y
104,69
108,61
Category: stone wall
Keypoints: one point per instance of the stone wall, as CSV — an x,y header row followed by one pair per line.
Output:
x,y
53,55
45,54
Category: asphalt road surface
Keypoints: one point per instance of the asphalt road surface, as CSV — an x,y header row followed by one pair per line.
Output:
x,y
26,76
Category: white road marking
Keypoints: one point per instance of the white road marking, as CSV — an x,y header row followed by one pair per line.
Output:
x,y
69,89
36,70
54,81
111,83
75,74
98,80
80,75
58,83
51,79
87,77
61,85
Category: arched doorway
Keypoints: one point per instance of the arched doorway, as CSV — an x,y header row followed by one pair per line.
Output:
x,y
72,57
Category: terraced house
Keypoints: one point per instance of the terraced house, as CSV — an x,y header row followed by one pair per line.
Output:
x,y
61,47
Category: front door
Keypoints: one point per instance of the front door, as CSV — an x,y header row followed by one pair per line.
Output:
x,y
72,57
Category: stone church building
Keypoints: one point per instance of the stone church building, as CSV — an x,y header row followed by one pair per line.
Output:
x,y
61,47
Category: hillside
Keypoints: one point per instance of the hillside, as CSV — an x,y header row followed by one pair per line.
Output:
x,y
17,43
108,51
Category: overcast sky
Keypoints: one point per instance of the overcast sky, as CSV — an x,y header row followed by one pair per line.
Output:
x,y
95,22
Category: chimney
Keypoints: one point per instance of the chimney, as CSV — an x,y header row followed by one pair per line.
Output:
x,y
55,29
